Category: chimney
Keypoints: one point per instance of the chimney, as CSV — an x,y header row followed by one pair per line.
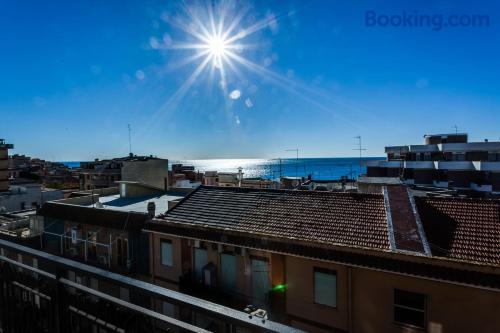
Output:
x,y
151,209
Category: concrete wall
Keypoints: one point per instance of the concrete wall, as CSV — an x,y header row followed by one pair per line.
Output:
x,y
129,190
300,295
153,172
168,274
450,308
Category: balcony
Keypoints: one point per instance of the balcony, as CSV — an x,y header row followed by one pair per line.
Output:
x,y
424,165
391,164
396,149
471,146
454,165
481,187
374,164
424,148
486,166
46,298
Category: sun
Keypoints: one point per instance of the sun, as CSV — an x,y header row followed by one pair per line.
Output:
x,y
217,42
216,46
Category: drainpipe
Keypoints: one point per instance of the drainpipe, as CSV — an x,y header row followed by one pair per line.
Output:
x,y
349,297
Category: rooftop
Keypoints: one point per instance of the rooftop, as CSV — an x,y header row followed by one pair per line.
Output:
x,y
466,230
461,228
136,204
352,219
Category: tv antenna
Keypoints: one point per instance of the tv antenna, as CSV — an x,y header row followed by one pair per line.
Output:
x,y
360,149
129,140
296,150
456,129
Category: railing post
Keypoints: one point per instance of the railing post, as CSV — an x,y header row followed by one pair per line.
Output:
x,y
58,305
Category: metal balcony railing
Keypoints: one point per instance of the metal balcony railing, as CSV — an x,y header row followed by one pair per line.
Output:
x,y
55,294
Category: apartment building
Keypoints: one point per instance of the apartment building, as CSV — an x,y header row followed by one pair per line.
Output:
x,y
4,165
444,160
335,262
103,227
106,173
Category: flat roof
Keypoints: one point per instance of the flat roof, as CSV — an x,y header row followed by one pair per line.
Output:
x,y
380,180
137,204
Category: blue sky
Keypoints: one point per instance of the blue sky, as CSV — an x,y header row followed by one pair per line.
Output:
x,y
75,73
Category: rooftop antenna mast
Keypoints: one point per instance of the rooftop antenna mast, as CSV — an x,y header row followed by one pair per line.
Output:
x,y
456,129
129,140
360,149
296,150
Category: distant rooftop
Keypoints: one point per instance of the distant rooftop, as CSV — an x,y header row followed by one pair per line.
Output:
x,y
445,134
5,145
137,204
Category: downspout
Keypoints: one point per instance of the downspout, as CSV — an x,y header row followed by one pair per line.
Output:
x,y
349,299
151,259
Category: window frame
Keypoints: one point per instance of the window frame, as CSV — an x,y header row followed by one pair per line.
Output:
x,y
325,271
405,307
167,241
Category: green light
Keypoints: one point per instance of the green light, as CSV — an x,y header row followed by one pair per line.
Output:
x,y
280,288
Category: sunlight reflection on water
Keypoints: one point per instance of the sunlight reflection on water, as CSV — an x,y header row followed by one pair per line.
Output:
x,y
319,168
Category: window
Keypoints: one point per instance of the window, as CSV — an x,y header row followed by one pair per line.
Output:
x,y
166,253
325,287
260,280
200,261
409,308
228,271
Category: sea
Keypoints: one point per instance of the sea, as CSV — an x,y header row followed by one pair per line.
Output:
x,y
319,168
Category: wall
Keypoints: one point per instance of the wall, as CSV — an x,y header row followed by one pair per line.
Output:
x,y
153,172
300,294
165,273
450,308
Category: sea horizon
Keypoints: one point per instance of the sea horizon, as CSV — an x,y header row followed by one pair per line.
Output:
x,y
320,168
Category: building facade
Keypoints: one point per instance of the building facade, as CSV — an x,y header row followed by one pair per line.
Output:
x,y
336,262
4,165
444,160
106,173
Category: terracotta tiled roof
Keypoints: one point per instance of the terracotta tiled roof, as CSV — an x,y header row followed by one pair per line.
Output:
x,y
349,219
465,229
